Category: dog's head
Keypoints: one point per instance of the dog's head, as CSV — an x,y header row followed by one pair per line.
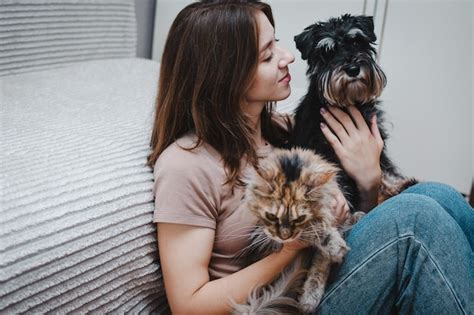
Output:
x,y
341,58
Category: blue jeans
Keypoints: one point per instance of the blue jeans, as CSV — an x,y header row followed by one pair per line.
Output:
x,y
413,254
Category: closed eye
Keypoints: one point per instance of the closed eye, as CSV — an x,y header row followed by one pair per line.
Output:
x,y
299,219
268,58
271,217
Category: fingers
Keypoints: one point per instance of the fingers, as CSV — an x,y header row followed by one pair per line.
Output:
x,y
332,139
345,125
337,125
340,208
359,119
374,128
296,244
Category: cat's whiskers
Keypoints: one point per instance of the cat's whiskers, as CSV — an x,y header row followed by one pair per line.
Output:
x,y
252,246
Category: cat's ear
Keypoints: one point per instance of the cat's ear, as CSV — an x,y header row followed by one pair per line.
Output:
x,y
317,180
266,172
326,177
320,174
263,179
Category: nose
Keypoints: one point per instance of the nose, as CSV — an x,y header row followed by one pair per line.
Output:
x,y
352,70
285,234
286,58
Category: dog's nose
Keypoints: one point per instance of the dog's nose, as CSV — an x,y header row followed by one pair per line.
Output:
x,y
352,70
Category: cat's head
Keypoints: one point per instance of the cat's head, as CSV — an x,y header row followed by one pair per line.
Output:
x,y
289,190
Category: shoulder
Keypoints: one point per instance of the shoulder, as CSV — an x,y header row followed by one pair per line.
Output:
x,y
182,161
188,184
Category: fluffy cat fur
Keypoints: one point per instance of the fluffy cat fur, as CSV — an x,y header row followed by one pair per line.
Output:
x,y
291,193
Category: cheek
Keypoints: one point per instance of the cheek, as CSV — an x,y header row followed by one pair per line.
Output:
x,y
267,73
261,82
268,76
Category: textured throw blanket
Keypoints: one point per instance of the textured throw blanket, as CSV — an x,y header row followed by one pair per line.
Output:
x,y
76,231
44,34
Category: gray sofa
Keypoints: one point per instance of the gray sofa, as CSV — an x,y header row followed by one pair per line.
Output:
x,y
76,231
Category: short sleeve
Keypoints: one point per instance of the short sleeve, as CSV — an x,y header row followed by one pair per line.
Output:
x,y
186,189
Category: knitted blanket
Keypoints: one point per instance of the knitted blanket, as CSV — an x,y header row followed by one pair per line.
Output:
x,y
76,231
43,34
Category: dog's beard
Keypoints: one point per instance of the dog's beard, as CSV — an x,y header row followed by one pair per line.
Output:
x,y
339,89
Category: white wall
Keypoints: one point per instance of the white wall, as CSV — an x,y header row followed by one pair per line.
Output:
x,y
427,56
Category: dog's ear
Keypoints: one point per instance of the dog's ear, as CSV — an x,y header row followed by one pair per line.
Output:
x,y
304,41
366,23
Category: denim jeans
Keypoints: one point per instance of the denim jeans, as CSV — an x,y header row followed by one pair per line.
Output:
x,y
413,254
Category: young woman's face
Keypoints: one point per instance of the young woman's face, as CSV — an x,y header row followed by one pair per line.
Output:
x,y
272,79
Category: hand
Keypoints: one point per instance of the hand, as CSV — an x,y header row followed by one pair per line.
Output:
x,y
296,245
357,147
340,208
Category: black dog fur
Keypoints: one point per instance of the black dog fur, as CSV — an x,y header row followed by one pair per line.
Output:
x,y
340,51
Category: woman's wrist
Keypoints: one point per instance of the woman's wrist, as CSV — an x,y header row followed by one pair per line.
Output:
x,y
370,184
369,191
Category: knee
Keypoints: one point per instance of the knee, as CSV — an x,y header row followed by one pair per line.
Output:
x,y
433,189
410,202
411,213
402,216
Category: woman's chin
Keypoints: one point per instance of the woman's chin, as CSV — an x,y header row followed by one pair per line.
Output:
x,y
283,96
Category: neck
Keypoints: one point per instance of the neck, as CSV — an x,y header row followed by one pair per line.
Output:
x,y
253,111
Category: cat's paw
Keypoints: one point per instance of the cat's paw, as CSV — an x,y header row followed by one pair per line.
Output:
x,y
306,308
356,216
310,300
337,249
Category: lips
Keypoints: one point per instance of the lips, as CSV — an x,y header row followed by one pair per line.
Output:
x,y
286,78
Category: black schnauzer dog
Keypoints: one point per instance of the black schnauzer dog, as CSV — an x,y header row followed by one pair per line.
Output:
x,y
343,72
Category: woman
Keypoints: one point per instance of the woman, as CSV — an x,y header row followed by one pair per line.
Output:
x,y
221,71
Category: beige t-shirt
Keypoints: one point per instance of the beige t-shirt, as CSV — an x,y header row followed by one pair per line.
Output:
x,y
189,190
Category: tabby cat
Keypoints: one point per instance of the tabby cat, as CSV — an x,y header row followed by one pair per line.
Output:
x,y
291,193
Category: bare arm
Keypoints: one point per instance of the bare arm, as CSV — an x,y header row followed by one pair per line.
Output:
x,y
185,253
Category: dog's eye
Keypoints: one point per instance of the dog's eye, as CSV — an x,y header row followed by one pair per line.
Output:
x,y
326,53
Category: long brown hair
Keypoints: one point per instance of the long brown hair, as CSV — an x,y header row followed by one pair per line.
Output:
x,y
208,64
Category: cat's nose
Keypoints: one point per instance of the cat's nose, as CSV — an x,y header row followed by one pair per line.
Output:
x,y
285,234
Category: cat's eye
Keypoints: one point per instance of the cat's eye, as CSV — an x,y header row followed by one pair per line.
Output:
x,y
299,219
271,217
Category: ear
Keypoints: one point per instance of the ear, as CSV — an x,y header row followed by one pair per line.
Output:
x,y
324,178
316,180
262,172
304,41
263,181
366,23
